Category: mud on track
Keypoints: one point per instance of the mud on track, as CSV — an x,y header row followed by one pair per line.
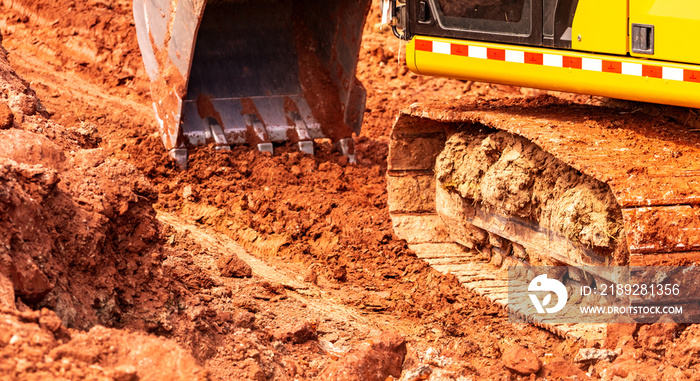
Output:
x,y
299,215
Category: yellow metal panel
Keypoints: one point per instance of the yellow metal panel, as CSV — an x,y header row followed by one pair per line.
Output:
x,y
676,24
600,26
614,85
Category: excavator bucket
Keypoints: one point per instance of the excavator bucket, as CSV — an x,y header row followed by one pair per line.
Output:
x,y
229,72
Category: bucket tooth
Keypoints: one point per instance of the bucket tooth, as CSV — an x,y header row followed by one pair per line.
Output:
x,y
180,156
214,128
306,144
347,148
261,137
266,147
258,127
307,147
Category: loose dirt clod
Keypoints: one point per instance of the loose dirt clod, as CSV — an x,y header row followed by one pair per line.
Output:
x,y
657,337
375,360
521,360
6,117
232,266
7,293
298,333
559,369
617,333
340,274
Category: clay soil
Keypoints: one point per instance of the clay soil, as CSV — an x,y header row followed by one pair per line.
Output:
x,y
114,264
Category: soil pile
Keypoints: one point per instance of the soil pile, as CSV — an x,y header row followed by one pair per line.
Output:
x,y
79,243
66,205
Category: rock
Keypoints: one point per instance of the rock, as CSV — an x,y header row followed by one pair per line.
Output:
x,y
521,360
232,266
340,273
49,320
7,294
26,104
29,283
243,319
432,356
685,351
311,276
628,364
331,350
560,369
374,360
189,194
614,332
299,333
658,336
6,117
420,373
593,355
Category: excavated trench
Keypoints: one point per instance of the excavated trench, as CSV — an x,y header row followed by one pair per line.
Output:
x,y
508,175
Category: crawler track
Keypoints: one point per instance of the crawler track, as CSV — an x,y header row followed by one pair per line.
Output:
x,y
652,173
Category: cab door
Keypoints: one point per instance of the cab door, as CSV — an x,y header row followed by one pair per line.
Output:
x,y
600,26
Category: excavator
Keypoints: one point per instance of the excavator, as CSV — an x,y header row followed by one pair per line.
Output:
x,y
539,183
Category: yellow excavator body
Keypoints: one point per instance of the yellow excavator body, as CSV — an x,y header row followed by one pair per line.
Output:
x,y
481,175
636,50
606,75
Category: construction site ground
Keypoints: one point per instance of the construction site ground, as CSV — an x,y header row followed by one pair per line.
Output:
x,y
114,264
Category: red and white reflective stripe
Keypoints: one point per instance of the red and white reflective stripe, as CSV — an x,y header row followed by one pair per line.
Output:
x,y
558,60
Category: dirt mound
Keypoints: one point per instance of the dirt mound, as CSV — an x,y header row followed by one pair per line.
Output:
x,y
33,345
78,235
72,237
76,225
515,177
